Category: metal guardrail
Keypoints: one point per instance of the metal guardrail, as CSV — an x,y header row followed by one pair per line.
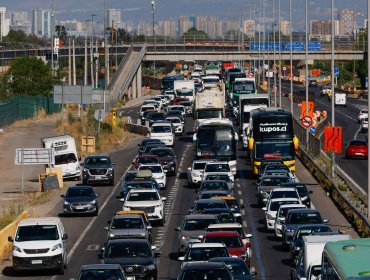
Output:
x,y
132,72
120,67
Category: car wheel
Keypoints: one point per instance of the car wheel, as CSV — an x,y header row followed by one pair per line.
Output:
x,y
84,182
111,182
96,213
61,269
163,221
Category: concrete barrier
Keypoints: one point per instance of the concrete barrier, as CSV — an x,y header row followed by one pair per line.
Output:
x,y
5,245
136,129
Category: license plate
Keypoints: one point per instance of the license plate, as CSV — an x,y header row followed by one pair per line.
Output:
x,y
130,277
98,177
36,261
80,207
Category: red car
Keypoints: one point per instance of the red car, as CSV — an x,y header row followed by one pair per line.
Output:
x,y
178,100
144,159
233,242
357,148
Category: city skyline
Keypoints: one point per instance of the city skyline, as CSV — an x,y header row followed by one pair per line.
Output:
x,y
140,11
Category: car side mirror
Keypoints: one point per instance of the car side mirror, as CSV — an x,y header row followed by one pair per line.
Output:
x,y
177,228
248,235
106,228
157,254
62,195
189,168
79,158
164,198
181,259
264,209
97,194
149,227
122,199
65,236
113,163
253,271
311,192
326,221
165,171
282,222
10,238
153,248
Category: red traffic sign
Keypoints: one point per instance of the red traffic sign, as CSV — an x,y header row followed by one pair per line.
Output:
x,y
250,75
306,121
333,139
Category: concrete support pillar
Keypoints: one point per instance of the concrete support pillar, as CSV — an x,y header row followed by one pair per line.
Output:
x,y
134,87
129,92
138,82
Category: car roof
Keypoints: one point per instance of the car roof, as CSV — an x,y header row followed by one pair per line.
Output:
x,y
128,241
304,210
226,225
207,200
218,162
292,205
127,216
284,199
225,197
282,189
143,191
203,265
226,259
80,187
147,156
40,221
222,233
214,181
100,266
207,245
161,123
199,216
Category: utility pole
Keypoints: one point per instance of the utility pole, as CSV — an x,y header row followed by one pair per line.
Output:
x,y
279,57
69,62
92,51
106,49
291,57
85,62
274,67
332,82
52,38
73,61
306,59
153,13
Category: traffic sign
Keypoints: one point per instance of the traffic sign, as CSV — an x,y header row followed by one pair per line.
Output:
x,y
250,75
306,121
284,68
336,71
313,130
333,139
100,115
311,106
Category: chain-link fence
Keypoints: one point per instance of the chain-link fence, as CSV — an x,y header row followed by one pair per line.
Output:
x,y
25,107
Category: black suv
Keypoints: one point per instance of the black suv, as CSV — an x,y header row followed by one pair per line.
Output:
x,y
134,255
167,158
98,169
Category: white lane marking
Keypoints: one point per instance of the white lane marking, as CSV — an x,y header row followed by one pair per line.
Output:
x,y
357,132
83,234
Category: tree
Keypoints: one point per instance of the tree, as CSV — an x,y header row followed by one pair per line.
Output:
x,y
18,36
29,75
61,32
194,34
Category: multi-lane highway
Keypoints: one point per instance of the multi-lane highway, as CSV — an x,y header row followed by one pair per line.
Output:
x,y
346,117
87,236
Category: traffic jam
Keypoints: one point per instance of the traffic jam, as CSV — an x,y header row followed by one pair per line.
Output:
x,y
227,113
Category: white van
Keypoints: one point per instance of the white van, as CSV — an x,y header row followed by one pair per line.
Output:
x,y
39,243
65,154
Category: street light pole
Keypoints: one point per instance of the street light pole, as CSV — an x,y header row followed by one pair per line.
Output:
x,y
92,51
332,83
274,42
106,49
153,13
291,57
306,74
279,56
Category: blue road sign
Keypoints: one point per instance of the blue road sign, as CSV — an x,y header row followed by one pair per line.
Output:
x,y
313,130
336,71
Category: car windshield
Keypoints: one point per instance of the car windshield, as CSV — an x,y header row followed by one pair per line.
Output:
x,y
214,186
205,205
156,116
198,224
199,165
143,196
173,120
204,254
131,223
304,218
283,194
144,160
153,168
201,274
301,188
37,232
222,167
357,143
97,161
207,195
223,177
130,176
65,159
229,241
162,152
178,108
284,211
237,229
274,181
149,108
76,192
209,114
150,142
161,129
274,206
309,231
237,269
127,250
101,274
232,203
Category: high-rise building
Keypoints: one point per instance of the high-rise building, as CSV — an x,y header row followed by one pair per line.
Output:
x,y
347,22
19,21
41,23
321,29
4,23
184,25
167,28
208,24
230,25
114,17
249,28
285,27
146,29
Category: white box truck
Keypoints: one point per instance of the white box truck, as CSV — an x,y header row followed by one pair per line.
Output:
x,y
209,104
65,153
185,89
310,257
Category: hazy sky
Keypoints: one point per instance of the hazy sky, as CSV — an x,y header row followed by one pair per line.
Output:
x,y
140,10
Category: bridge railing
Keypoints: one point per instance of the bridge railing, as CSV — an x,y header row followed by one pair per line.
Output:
x,y
120,67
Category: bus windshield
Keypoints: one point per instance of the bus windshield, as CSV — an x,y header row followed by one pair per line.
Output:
x,y
215,142
209,114
245,87
274,149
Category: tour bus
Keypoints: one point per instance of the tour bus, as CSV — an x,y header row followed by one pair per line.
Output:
x,y
242,86
347,259
216,140
272,137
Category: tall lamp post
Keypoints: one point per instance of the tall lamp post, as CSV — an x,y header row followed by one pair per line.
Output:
x,y
116,35
153,14
306,59
92,51
332,83
291,57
